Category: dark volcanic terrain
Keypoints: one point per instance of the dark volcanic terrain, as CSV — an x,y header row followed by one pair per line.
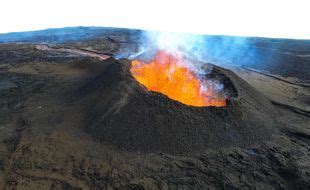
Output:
x,y
72,117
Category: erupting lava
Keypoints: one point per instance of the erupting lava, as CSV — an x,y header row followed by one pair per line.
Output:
x,y
167,74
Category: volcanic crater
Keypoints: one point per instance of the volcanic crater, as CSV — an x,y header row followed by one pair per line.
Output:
x,y
178,78
124,113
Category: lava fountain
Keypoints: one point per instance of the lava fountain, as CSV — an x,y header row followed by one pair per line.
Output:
x,y
168,74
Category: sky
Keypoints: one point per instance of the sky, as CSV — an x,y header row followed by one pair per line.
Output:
x,y
264,18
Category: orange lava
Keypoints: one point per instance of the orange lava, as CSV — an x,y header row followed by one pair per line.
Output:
x,y
167,74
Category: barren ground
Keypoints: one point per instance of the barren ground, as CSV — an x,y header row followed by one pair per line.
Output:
x,y
43,144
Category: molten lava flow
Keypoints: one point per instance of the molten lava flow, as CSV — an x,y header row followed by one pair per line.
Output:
x,y
167,74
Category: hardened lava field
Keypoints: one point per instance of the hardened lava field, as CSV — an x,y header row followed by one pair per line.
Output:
x,y
72,116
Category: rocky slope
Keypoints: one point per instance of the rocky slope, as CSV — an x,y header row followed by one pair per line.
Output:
x,y
44,144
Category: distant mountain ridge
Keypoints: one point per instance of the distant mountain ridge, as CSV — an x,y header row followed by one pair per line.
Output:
x,y
59,35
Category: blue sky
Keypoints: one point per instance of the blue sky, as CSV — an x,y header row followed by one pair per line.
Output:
x,y
267,18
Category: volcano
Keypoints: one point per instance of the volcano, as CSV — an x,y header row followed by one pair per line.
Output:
x,y
125,113
74,115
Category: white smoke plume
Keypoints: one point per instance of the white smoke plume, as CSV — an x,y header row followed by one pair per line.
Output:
x,y
183,45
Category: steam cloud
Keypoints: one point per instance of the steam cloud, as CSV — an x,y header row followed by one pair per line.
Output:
x,y
224,51
177,44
